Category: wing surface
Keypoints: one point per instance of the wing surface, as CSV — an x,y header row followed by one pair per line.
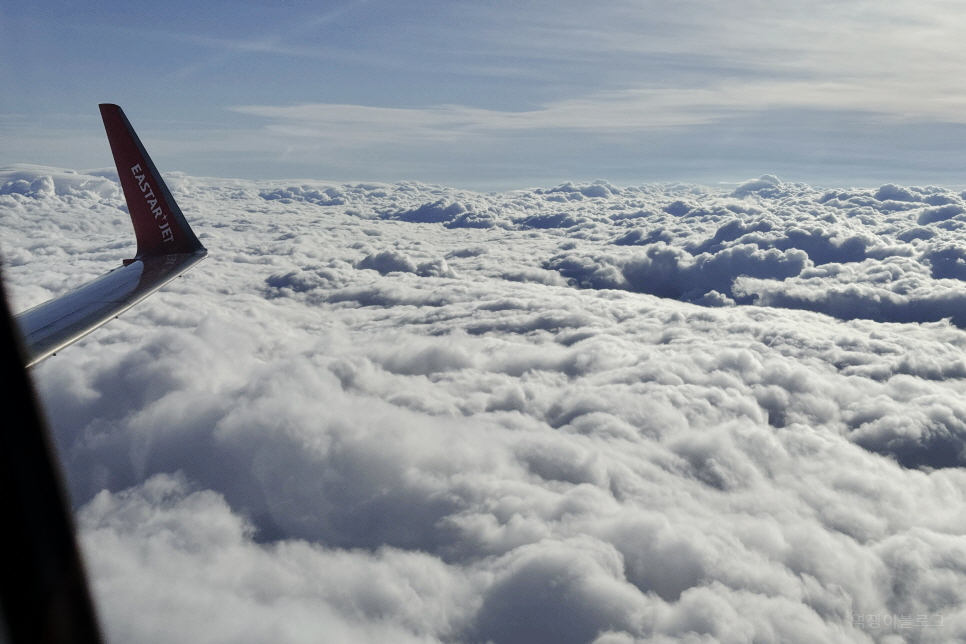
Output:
x,y
166,248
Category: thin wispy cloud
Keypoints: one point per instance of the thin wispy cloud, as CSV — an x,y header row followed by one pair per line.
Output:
x,y
885,64
639,109
693,89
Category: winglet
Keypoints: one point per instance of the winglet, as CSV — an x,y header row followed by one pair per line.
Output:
x,y
159,226
166,249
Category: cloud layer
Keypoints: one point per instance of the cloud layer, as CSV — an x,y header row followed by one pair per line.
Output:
x,y
586,413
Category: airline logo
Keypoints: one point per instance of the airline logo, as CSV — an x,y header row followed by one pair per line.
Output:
x,y
167,235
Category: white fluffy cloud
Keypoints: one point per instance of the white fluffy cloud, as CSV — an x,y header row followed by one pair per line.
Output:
x,y
581,414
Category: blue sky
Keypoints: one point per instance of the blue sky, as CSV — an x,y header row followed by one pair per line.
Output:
x,y
496,95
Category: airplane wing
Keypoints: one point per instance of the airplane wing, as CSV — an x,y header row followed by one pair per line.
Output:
x,y
167,247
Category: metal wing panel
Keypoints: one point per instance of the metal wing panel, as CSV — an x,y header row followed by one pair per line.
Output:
x,y
53,325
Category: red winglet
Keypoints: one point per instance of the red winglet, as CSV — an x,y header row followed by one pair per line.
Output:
x,y
159,226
